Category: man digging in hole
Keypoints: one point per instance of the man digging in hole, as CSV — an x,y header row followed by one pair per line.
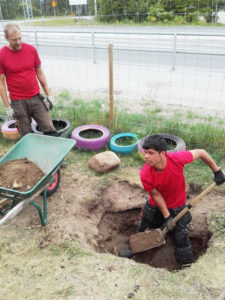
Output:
x,y
162,176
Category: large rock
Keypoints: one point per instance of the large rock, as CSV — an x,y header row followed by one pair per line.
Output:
x,y
104,161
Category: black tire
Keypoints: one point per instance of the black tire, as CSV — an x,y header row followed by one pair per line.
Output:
x,y
62,127
176,141
54,185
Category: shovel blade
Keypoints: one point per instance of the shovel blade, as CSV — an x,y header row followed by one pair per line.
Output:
x,y
146,240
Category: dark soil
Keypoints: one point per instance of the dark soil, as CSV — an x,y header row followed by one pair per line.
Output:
x,y
20,174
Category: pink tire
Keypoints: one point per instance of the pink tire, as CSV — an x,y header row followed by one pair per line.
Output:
x,y
10,131
91,144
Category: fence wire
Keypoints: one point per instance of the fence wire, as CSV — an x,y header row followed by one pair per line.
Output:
x,y
156,73
182,69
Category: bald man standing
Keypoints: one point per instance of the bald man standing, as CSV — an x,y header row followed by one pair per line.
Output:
x,y
21,73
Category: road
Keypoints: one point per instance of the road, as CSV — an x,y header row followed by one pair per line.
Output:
x,y
147,65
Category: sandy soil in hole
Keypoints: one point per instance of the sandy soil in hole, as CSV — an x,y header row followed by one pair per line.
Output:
x,y
76,212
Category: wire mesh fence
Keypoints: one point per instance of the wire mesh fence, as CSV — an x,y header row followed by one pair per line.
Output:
x,y
181,69
167,81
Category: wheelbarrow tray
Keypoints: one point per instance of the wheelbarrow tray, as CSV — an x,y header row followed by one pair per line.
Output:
x,y
47,152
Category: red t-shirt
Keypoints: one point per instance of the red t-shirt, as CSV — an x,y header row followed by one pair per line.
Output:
x,y
19,68
170,182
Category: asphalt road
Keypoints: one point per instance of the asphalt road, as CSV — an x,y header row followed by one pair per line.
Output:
x,y
146,63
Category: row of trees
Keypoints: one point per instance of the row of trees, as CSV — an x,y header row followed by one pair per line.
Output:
x,y
13,9
120,10
159,10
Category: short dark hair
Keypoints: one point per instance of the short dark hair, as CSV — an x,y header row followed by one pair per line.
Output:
x,y
156,142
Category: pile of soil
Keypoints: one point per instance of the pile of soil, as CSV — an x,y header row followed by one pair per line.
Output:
x,y
20,174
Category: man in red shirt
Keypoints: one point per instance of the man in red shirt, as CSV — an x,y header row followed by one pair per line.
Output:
x,y
162,176
20,69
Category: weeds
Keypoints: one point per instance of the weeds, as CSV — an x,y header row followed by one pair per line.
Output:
x,y
216,224
71,249
196,130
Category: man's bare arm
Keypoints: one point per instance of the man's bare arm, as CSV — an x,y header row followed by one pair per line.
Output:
x,y
3,91
42,79
206,158
160,202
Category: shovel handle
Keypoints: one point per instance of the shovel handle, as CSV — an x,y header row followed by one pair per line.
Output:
x,y
191,203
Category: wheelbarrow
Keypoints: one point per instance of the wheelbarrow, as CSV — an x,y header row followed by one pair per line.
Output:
x,y
47,153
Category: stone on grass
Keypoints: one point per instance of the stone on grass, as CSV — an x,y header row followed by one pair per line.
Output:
x,y
104,162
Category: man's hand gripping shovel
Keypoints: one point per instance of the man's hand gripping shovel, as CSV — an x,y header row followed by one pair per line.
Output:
x,y
153,238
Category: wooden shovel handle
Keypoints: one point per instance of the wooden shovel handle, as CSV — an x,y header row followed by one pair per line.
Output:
x,y
192,203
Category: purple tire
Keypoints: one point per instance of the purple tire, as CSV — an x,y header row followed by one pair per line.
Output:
x,y
10,131
91,144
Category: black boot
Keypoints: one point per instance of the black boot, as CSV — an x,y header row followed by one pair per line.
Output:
x,y
184,256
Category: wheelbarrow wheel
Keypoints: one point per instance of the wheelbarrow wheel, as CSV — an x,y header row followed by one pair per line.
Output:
x,y
54,185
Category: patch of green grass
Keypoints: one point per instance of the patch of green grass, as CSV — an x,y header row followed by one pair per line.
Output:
x,y
203,134
216,224
71,249
72,21
66,292
64,21
125,141
90,134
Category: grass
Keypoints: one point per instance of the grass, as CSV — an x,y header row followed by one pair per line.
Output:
x,y
90,134
71,271
203,133
216,224
125,141
72,21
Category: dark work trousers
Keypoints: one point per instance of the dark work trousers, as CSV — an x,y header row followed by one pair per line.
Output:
x,y
25,109
152,218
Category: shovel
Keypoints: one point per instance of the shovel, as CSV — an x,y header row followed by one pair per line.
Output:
x,y
152,238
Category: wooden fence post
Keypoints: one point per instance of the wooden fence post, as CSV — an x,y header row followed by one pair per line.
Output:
x,y
111,114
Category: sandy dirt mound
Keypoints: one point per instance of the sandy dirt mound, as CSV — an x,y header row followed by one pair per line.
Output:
x,y
20,174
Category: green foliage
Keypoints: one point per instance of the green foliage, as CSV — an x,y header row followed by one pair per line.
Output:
x,y
216,224
156,11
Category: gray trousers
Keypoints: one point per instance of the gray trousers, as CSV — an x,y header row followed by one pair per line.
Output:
x,y
25,109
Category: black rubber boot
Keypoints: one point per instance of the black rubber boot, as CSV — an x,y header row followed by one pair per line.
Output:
x,y
126,252
184,256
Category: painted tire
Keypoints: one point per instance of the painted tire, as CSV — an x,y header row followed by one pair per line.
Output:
x,y
3,119
54,185
91,144
170,138
123,149
10,131
58,123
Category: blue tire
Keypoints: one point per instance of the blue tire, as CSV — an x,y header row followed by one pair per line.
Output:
x,y
123,149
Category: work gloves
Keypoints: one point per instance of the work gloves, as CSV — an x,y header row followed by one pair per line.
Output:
x,y
48,102
167,223
219,177
10,113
